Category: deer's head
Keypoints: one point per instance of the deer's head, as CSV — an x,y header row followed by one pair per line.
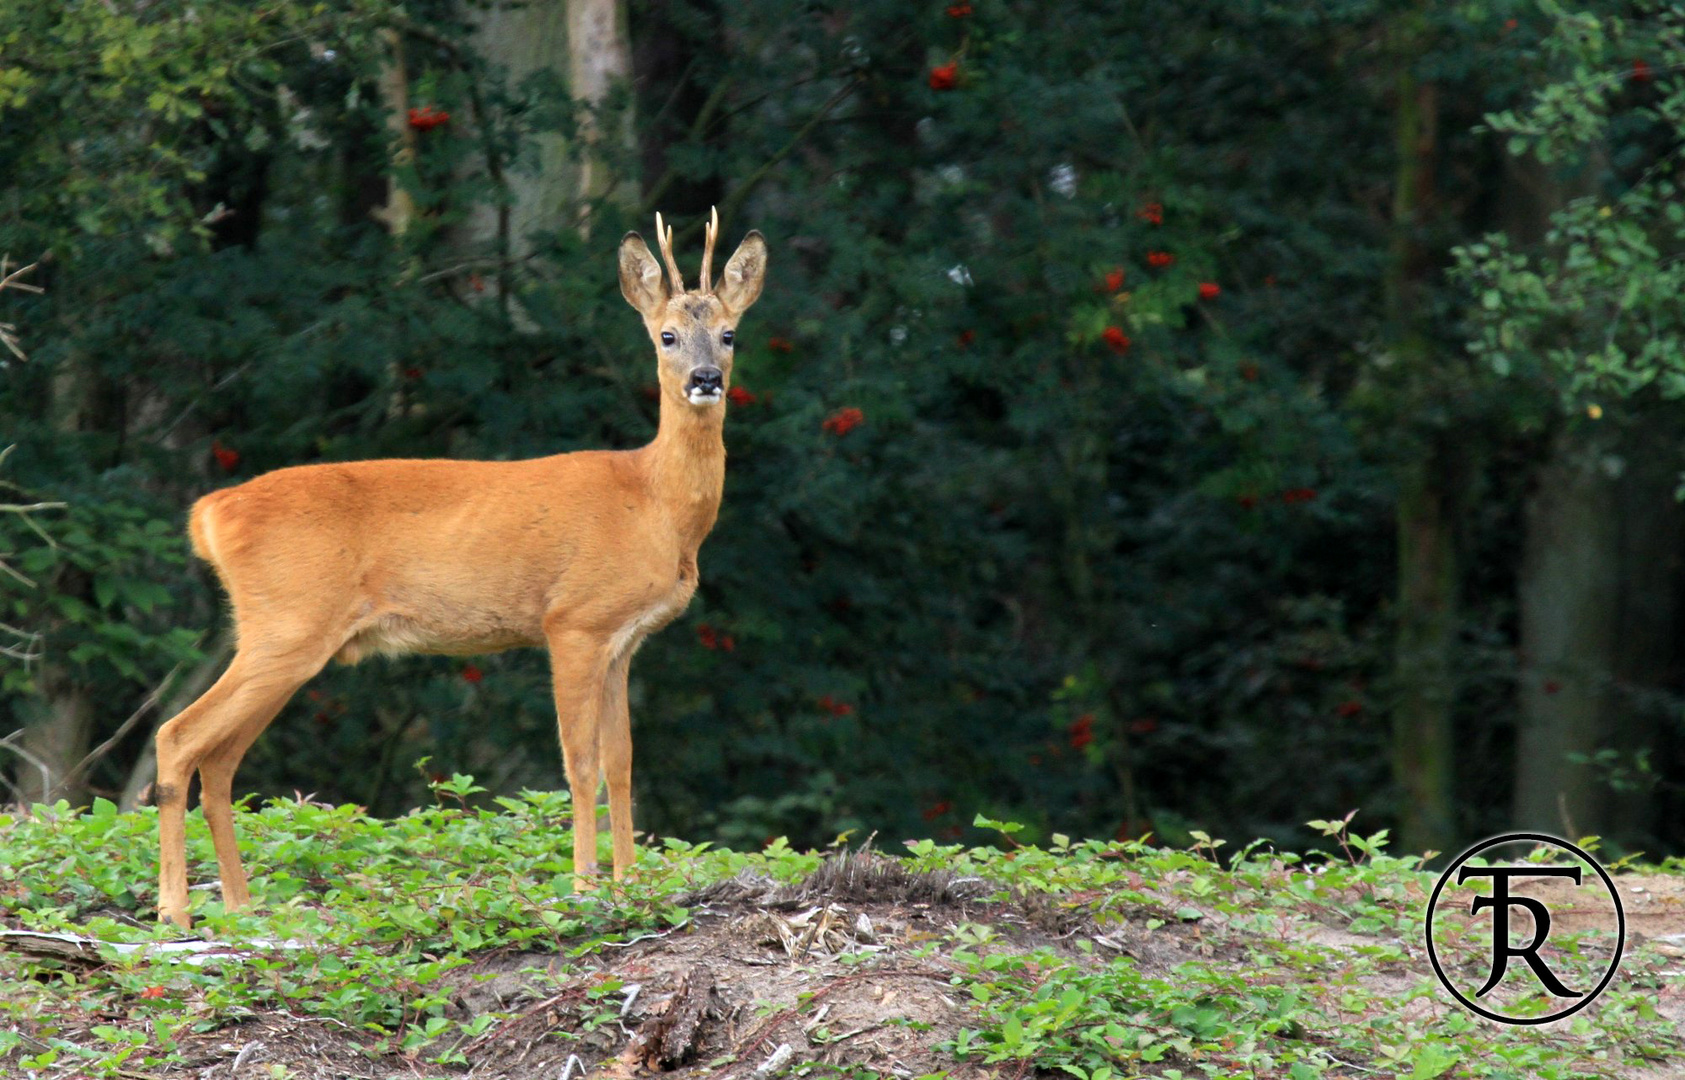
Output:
x,y
692,330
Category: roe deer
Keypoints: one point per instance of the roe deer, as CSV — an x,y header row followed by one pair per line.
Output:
x,y
584,553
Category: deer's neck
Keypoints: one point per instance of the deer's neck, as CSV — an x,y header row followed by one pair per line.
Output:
x,y
686,464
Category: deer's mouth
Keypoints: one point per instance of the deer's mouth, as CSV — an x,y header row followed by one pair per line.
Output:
x,y
705,386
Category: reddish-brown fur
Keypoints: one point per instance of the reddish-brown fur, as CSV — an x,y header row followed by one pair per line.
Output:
x,y
583,553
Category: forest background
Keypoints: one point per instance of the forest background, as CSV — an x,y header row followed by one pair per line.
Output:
x,y
1160,416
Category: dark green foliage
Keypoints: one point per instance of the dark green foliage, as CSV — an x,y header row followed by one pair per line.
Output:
x,y
1100,555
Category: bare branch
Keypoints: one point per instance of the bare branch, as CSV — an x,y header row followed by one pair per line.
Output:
x,y
9,280
45,769
127,726
7,569
8,628
23,654
29,650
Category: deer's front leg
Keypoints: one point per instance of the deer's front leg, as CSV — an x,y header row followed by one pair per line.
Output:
x,y
578,665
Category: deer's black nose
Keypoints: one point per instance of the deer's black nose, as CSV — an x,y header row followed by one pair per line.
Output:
x,y
707,380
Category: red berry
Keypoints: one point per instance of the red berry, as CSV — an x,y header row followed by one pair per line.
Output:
x,y
426,118
843,421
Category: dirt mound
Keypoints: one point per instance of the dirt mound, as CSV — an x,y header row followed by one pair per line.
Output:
x,y
826,970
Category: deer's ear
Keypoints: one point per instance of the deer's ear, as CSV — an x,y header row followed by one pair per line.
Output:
x,y
640,275
741,281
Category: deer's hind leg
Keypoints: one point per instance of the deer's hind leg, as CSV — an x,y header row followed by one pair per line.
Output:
x,y
211,735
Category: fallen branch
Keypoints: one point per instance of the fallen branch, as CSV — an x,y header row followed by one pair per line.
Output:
x,y
195,952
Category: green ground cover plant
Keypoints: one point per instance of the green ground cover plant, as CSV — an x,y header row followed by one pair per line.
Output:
x,y
1095,959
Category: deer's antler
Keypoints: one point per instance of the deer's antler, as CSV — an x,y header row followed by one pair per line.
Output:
x,y
664,233
712,231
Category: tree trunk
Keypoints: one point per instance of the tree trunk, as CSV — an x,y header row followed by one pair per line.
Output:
x,y
1568,595
1429,501
1600,608
1598,587
57,740
599,60
584,45
524,40
399,210
58,733
1646,661
1428,575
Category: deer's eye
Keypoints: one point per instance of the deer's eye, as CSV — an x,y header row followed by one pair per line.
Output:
x,y
727,337
668,337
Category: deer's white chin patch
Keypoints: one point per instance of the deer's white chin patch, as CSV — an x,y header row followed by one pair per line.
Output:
x,y
704,397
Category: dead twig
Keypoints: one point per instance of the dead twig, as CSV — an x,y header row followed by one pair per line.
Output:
x,y
9,280
22,510
45,770
127,726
